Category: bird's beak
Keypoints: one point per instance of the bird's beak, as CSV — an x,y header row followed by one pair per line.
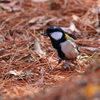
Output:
x,y
45,34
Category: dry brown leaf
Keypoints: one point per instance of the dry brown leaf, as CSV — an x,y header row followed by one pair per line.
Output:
x,y
37,48
66,29
39,22
17,52
75,17
34,20
11,6
92,49
73,28
6,7
16,73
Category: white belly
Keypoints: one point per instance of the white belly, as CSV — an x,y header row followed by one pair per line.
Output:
x,y
69,49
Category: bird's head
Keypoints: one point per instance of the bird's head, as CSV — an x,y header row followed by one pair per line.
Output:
x,y
54,32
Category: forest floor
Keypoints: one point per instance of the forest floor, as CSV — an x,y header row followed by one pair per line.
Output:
x,y
28,68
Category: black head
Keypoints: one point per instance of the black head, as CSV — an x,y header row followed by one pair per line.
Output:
x,y
53,29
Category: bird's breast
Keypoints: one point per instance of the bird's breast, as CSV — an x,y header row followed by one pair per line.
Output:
x,y
69,49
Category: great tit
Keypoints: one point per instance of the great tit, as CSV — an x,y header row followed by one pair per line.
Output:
x,y
62,43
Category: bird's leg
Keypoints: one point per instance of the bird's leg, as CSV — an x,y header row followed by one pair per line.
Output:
x,y
60,60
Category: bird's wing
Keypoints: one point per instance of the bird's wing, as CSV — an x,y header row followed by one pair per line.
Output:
x,y
68,37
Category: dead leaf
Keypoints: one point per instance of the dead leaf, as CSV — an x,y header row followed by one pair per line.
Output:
x,y
16,73
66,29
92,49
75,17
34,20
37,47
6,7
17,8
41,21
73,28
11,6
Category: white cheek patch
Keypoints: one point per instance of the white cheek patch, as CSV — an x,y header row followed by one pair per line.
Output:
x,y
56,35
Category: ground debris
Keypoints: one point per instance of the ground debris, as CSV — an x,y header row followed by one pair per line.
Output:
x,y
28,64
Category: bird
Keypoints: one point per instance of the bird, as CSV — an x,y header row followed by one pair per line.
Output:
x,y
63,44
